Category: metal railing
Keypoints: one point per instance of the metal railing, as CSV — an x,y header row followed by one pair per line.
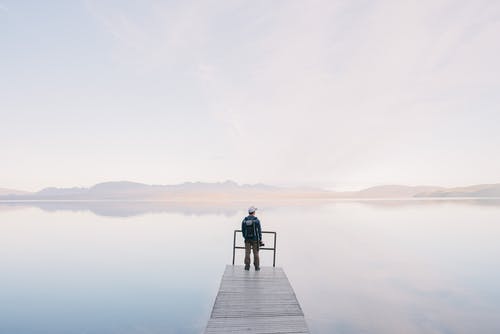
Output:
x,y
260,248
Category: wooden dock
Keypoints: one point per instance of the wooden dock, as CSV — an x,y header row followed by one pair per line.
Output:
x,y
260,302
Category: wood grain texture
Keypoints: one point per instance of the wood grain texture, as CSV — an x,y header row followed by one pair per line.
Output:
x,y
260,302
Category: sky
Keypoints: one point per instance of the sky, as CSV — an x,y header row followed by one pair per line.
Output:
x,y
335,94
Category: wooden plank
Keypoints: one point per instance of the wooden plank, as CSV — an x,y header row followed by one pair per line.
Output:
x,y
260,302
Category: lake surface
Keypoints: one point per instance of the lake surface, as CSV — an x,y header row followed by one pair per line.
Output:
x,y
151,267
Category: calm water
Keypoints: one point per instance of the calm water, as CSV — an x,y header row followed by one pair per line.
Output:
x,y
356,267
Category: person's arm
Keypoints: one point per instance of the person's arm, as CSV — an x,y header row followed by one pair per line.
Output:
x,y
259,231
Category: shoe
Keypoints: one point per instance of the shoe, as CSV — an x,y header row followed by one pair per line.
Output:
x,y
257,268
247,267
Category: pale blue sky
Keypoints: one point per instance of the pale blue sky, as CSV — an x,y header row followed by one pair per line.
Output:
x,y
338,94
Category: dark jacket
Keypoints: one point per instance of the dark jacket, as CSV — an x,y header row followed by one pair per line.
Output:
x,y
251,226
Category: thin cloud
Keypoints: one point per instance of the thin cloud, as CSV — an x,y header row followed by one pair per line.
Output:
x,y
288,92
344,86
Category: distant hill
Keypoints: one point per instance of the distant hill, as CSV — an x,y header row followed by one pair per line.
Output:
x,y
6,192
480,190
394,191
231,191
399,191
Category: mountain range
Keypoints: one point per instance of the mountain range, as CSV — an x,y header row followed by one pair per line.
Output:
x,y
229,190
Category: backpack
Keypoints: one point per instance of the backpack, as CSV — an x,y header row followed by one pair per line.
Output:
x,y
249,227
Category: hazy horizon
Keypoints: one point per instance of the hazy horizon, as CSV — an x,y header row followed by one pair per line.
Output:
x,y
331,94
254,184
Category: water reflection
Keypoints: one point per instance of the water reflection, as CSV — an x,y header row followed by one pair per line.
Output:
x,y
356,266
228,209
128,208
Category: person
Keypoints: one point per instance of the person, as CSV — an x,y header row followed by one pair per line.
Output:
x,y
252,233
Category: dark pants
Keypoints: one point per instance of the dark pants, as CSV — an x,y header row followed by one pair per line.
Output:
x,y
254,246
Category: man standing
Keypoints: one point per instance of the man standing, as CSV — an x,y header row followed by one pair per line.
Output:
x,y
250,227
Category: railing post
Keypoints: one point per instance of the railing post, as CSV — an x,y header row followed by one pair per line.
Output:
x,y
274,251
234,245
